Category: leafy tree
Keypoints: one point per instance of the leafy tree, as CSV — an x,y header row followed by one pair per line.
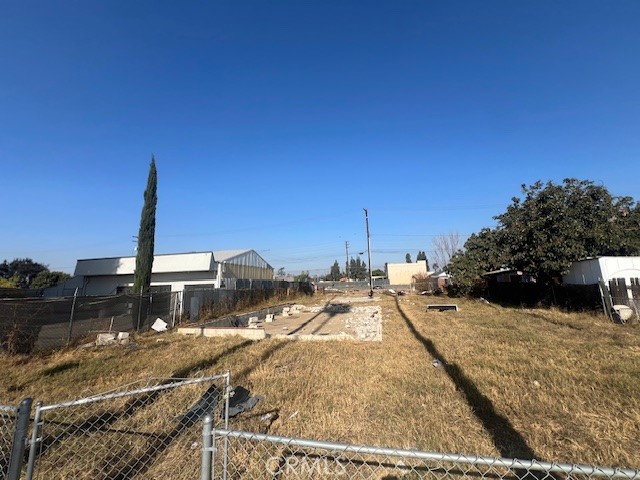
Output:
x,y
483,252
281,272
303,277
334,273
358,268
22,271
555,225
7,283
146,234
46,279
378,273
543,233
423,256
407,258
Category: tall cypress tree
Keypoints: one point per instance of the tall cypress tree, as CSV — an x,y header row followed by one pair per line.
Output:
x,y
144,257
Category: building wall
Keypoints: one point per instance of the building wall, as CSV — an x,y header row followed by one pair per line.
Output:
x,y
103,276
402,273
587,272
170,263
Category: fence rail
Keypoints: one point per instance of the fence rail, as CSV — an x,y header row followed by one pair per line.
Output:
x,y
257,456
148,429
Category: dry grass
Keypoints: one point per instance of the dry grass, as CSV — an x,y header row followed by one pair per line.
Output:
x,y
543,383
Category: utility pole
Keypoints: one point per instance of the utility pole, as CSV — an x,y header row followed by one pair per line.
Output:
x,y
346,247
366,218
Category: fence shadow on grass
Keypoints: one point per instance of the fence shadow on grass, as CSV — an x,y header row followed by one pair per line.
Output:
x,y
509,442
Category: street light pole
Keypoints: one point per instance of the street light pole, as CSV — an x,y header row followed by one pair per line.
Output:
x,y
366,218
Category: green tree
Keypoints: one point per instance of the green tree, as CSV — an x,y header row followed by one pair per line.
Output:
x,y
548,229
358,268
407,258
555,225
378,273
46,279
7,283
334,273
303,277
422,255
21,271
146,234
482,252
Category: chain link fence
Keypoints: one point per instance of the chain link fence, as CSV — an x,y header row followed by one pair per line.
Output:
x,y
145,430
14,426
236,454
30,325
8,420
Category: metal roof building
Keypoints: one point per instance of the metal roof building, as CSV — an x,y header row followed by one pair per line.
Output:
x,y
170,272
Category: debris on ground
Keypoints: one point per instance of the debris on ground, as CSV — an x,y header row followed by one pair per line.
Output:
x,y
294,414
436,363
159,325
442,307
242,401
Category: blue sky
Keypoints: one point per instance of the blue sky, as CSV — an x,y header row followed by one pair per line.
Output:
x,y
274,123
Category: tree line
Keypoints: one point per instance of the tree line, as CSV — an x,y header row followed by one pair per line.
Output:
x,y
545,231
25,273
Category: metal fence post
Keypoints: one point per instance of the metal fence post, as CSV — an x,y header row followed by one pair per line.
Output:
x,y
207,448
225,452
35,441
73,307
19,440
139,312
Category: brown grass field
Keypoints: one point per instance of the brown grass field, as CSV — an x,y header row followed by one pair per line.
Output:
x,y
525,383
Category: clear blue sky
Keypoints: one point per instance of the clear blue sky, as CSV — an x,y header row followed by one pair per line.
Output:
x,y
274,123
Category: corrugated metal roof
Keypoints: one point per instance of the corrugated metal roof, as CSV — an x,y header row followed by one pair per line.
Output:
x,y
226,255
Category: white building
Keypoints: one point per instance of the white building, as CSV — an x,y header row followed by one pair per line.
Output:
x,y
590,270
400,274
620,274
170,273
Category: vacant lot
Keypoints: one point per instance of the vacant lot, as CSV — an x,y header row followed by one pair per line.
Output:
x,y
510,382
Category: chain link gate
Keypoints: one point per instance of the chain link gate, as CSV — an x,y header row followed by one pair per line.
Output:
x,y
151,431
8,420
254,456
14,427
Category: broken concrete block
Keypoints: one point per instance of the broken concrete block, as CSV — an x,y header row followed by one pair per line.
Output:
x,y
269,318
159,325
106,339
